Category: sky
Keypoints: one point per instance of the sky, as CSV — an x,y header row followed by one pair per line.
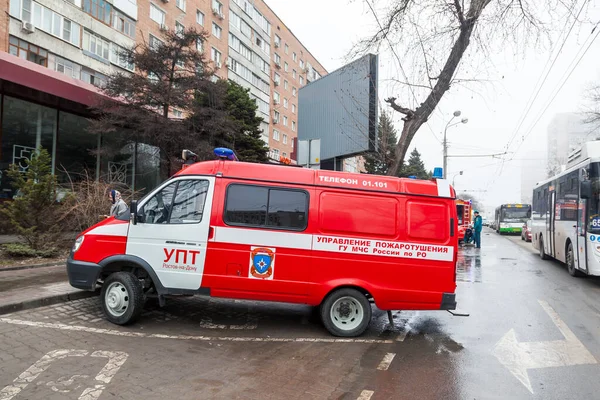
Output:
x,y
329,29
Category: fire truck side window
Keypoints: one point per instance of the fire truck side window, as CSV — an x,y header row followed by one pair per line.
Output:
x,y
265,207
157,209
188,205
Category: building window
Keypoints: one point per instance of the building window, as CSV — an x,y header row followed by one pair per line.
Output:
x,y
179,28
284,154
200,17
294,57
51,22
276,117
285,120
301,80
287,49
301,64
294,73
293,91
217,7
121,58
63,66
285,139
285,103
27,51
276,97
157,15
124,24
96,45
263,207
285,66
285,84
154,43
294,108
275,134
277,59
180,4
275,154
293,126
277,78
177,113
93,77
215,55
277,41
216,30
98,9
25,126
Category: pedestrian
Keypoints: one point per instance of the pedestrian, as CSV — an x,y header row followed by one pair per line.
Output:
x,y
477,225
118,204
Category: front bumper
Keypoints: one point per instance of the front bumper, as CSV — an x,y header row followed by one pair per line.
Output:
x,y
448,301
82,275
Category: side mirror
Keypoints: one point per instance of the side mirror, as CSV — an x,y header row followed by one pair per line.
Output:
x,y
585,189
133,210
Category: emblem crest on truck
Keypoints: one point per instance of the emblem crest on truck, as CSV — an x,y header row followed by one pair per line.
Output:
x,y
262,263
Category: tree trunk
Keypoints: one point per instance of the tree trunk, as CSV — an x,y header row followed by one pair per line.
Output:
x,y
414,120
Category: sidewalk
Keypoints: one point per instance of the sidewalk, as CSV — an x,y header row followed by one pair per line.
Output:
x,y
36,287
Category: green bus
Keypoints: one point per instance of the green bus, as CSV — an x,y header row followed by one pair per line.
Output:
x,y
510,218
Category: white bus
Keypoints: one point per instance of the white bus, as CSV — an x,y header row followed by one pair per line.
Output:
x,y
566,215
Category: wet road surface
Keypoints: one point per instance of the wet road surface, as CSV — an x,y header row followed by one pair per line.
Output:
x,y
533,333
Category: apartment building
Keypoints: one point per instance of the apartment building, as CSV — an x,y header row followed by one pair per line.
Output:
x,y
55,53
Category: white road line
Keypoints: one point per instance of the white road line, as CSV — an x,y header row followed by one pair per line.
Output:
x,y
365,395
113,332
385,363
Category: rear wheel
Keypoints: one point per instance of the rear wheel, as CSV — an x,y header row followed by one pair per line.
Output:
x,y
543,255
122,298
346,312
571,262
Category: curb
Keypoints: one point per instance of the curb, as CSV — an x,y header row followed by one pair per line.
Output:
x,y
20,267
46,301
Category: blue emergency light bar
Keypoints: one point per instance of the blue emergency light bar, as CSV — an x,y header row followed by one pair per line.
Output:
x,y
225,153
412,177
438,173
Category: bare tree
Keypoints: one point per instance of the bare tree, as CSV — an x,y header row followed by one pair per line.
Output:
x,y
434,36
593,113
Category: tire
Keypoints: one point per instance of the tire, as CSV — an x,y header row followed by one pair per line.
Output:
x,y
122,298
570,258
543,255
354,317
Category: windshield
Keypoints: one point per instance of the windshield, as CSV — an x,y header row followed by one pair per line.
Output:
x,y
594,202
515,214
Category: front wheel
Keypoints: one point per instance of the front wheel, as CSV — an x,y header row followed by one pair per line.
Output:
x,y
346,312
543,255
122,298
571,262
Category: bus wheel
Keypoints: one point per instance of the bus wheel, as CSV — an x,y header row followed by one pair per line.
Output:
x,y
346,312
571,262
543,255
122,298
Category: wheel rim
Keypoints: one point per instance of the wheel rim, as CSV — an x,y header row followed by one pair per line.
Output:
x,y
116,299
347,313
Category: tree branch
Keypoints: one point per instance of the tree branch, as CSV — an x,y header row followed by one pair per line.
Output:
x,y
459,13
403,110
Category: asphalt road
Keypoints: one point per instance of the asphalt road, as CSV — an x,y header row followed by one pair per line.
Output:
x,y
533,333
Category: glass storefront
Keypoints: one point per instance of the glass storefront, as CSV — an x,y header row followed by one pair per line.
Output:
x,y
75,152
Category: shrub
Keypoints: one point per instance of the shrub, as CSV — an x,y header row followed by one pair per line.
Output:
x,y
22,250
87,201
34,213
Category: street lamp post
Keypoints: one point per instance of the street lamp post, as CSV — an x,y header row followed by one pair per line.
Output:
x,y
445,142
454,177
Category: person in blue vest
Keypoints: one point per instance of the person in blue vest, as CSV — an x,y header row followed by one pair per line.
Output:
x,y
477,226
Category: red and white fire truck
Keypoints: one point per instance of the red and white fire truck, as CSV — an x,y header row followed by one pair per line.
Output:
x,y
264,232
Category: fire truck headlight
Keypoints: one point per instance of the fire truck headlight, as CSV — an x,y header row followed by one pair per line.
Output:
x,y
78,243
